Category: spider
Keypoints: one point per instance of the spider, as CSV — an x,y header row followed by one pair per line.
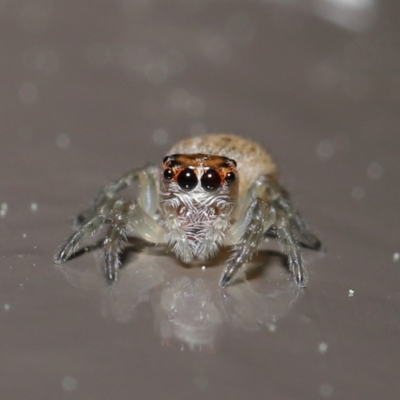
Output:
x,y
211,191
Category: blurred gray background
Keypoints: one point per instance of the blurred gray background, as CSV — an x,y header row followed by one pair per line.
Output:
x,y
90,89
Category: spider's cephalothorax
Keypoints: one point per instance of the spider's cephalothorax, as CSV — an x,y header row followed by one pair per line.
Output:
x,y
198,195
195,203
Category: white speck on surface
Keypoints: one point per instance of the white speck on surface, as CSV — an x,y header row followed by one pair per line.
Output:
x,y
325,149
62,141
357,193
272,327
28,93
326,390
396,257
160,136
203,268
3,209
34,207
6,307
351,293
24,235
375,171
322,347
69,383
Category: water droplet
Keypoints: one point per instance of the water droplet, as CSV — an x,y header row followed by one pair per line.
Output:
x,y
322,347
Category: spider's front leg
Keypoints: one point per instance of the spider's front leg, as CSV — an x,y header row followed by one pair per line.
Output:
x,y
127,217
122,216
248,231
270,209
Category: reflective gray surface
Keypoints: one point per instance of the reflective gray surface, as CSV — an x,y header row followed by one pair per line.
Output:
x,y
91,89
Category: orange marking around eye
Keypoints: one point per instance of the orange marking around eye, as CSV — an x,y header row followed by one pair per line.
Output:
x,y
177,162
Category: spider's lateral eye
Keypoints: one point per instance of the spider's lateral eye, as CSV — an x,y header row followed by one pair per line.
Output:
x,y
187,179
233,162
230,177
168,174
210,180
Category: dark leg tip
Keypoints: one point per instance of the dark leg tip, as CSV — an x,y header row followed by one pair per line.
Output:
x,y
301,281
225,281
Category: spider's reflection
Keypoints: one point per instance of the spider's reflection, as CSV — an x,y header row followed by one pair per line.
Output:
x,y
189,306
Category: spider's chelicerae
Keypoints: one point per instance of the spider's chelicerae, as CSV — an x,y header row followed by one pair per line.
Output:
x,y
211,191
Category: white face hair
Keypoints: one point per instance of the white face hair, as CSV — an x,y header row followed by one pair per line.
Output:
x,y
195,215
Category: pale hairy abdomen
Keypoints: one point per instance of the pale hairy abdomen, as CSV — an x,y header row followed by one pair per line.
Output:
x,y
252,159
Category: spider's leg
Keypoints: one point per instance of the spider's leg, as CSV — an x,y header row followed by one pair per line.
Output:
x,y
98,214
250,227
126,217
281,199
290,246
291,230
88,227
267,209
147,177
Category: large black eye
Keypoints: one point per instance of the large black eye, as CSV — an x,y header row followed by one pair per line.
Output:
x,y
230,177
187,179
210,180
168,174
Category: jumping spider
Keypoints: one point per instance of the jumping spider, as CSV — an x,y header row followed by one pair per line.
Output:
x,y
211,191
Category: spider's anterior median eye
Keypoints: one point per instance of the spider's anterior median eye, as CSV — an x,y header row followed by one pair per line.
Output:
x,y
168,174
211,180
187,179
230,177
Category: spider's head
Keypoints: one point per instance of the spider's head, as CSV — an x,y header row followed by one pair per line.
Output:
x,y
198,191
200,172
